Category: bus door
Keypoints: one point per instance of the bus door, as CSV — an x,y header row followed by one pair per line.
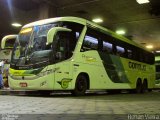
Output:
x,y
62,54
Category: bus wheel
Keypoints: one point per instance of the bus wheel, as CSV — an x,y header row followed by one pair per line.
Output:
x,y
80,86
138,86
144,86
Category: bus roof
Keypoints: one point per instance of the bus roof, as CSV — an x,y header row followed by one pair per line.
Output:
x,y
52,20
84,22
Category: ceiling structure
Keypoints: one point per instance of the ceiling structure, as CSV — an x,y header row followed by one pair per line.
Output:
x,y
141,21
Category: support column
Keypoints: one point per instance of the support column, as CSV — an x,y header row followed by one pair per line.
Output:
x,y
47,11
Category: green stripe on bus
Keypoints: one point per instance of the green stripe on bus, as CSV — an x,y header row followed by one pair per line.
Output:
x,y
114,68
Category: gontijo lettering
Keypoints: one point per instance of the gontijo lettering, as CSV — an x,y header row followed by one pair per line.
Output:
x,y
137,66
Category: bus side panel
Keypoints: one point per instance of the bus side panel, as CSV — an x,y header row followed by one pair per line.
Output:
x,y
137,70
63,75
90,63
101,76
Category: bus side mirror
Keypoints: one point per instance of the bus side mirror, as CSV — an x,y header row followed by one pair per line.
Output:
x,y
5,39
52,33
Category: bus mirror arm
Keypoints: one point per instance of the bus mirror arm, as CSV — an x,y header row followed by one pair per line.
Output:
x,y
5,39
53,31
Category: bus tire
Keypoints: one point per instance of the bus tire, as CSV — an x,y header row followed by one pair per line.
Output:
x,y
138,86
80,86
145,86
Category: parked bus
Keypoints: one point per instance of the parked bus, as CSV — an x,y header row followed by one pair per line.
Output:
x,y
157,63
5,57
70,53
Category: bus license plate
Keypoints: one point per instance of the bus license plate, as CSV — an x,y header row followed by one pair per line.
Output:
x,y
23,84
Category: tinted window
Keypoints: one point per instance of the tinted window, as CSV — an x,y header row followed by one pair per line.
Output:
x,y
104,42
91,40
120,51
90,43
107,47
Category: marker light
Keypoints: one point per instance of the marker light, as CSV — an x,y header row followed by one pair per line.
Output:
x,y
16,25
26,30
149,46
120,32
97,20
142,1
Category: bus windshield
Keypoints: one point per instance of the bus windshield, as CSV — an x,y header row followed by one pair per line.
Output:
x,y
30,45
30,49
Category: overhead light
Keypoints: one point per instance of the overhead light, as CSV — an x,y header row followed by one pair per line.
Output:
x,y
158,51
149,46
97,20
142,1
16,25
120,32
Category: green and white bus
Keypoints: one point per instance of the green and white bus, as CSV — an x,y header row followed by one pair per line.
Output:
x,y
70,53
157,63
5,55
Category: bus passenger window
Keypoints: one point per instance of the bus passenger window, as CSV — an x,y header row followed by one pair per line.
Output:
x,y
90,43
129,52
120,51
107,47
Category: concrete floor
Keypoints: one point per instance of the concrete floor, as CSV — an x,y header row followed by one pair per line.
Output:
x,y
93,106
